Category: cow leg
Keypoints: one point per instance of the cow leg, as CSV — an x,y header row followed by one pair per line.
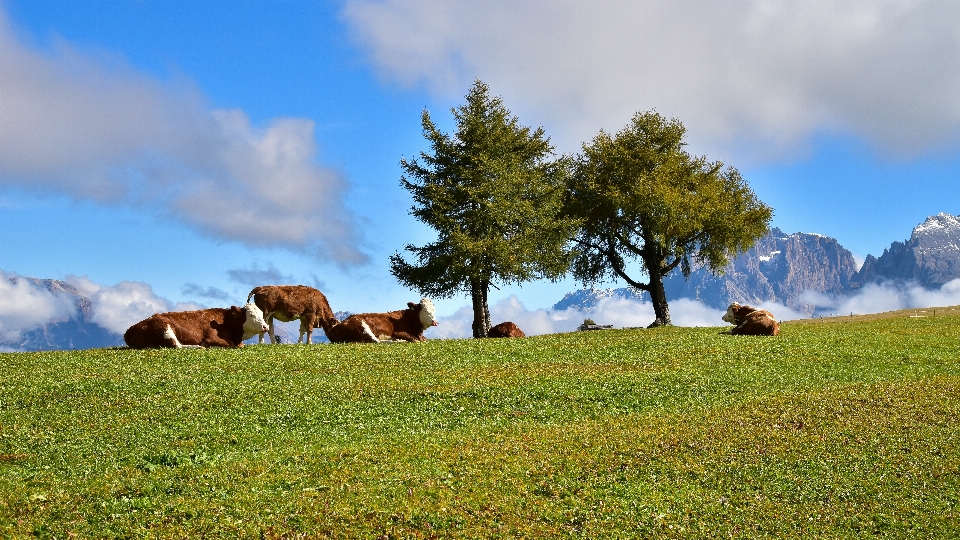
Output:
x,y
211,339
269,319
171,336
307,325
403,336
273,336
368,333
303,330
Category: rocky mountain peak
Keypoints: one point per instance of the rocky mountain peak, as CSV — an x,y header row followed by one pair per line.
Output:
x,y
591,296
779,268
70,331
931,256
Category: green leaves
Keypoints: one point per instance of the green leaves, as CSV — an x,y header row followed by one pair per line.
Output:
x,y
640,196
493,193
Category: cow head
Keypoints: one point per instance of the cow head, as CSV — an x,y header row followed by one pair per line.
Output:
x,y
428,313
254,324
731,314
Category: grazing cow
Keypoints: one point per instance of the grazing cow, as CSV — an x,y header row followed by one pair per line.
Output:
x,y
750,321
505,329
292,302
403,325
215,327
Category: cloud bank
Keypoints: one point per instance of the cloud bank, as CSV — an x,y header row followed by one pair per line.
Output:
x,y
756,77
619,312
880,297
96,129
26,307
624,313
118,307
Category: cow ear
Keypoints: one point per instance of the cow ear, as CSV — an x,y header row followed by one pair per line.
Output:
x,y
411,305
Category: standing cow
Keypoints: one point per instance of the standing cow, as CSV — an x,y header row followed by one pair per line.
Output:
x,y
402,325
215,327
292,302
750,321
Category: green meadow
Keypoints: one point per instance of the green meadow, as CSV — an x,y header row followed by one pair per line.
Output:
x,y
835,429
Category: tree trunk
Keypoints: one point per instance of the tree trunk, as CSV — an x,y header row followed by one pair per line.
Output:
x,y
481,311
659,298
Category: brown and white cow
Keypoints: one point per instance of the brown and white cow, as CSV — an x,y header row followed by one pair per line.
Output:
x,y
749,321
294,302
215,327
403,325
505,329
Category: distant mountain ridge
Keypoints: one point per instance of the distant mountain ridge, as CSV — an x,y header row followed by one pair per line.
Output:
x,y
781,267
67,333
931,256
589,297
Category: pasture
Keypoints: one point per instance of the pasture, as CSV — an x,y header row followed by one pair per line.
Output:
x,y
847,429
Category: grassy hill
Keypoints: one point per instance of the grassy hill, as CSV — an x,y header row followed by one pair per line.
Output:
x,y
847,429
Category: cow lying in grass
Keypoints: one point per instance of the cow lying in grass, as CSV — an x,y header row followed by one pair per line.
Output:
x,y
403,325
504,330
294,302
750,321
215,327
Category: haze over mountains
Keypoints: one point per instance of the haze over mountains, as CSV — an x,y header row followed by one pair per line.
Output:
x,y
72,325
804,272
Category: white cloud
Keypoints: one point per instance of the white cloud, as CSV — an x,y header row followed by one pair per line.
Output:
x,y
624,313
880,297
91,127
780,311
255,275
27,306
118,307
620,312
756,76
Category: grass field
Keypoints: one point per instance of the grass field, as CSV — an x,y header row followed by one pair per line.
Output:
x,y
848,429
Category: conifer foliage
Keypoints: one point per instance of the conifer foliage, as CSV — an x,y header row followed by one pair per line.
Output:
x,y
494,193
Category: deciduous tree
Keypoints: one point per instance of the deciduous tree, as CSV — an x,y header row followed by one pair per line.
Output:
x,y
641,197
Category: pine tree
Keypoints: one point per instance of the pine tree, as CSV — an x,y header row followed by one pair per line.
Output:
x,y
494,194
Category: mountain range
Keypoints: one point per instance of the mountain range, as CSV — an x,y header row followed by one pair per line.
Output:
x,y
77,331
779,268
782,267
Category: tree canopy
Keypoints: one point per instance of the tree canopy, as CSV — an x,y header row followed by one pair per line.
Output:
x,y
641,197
494,194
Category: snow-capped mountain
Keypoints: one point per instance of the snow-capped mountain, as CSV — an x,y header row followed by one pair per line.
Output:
x,y
779,268
74,331
931,256
590,297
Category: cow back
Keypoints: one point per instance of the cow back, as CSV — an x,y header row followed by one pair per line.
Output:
x,y
758,322
294,302
505,330
205,327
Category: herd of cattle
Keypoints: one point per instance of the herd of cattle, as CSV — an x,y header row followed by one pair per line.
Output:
x,y
230,327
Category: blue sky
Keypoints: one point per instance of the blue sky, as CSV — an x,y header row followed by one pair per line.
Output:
x,y
197,149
